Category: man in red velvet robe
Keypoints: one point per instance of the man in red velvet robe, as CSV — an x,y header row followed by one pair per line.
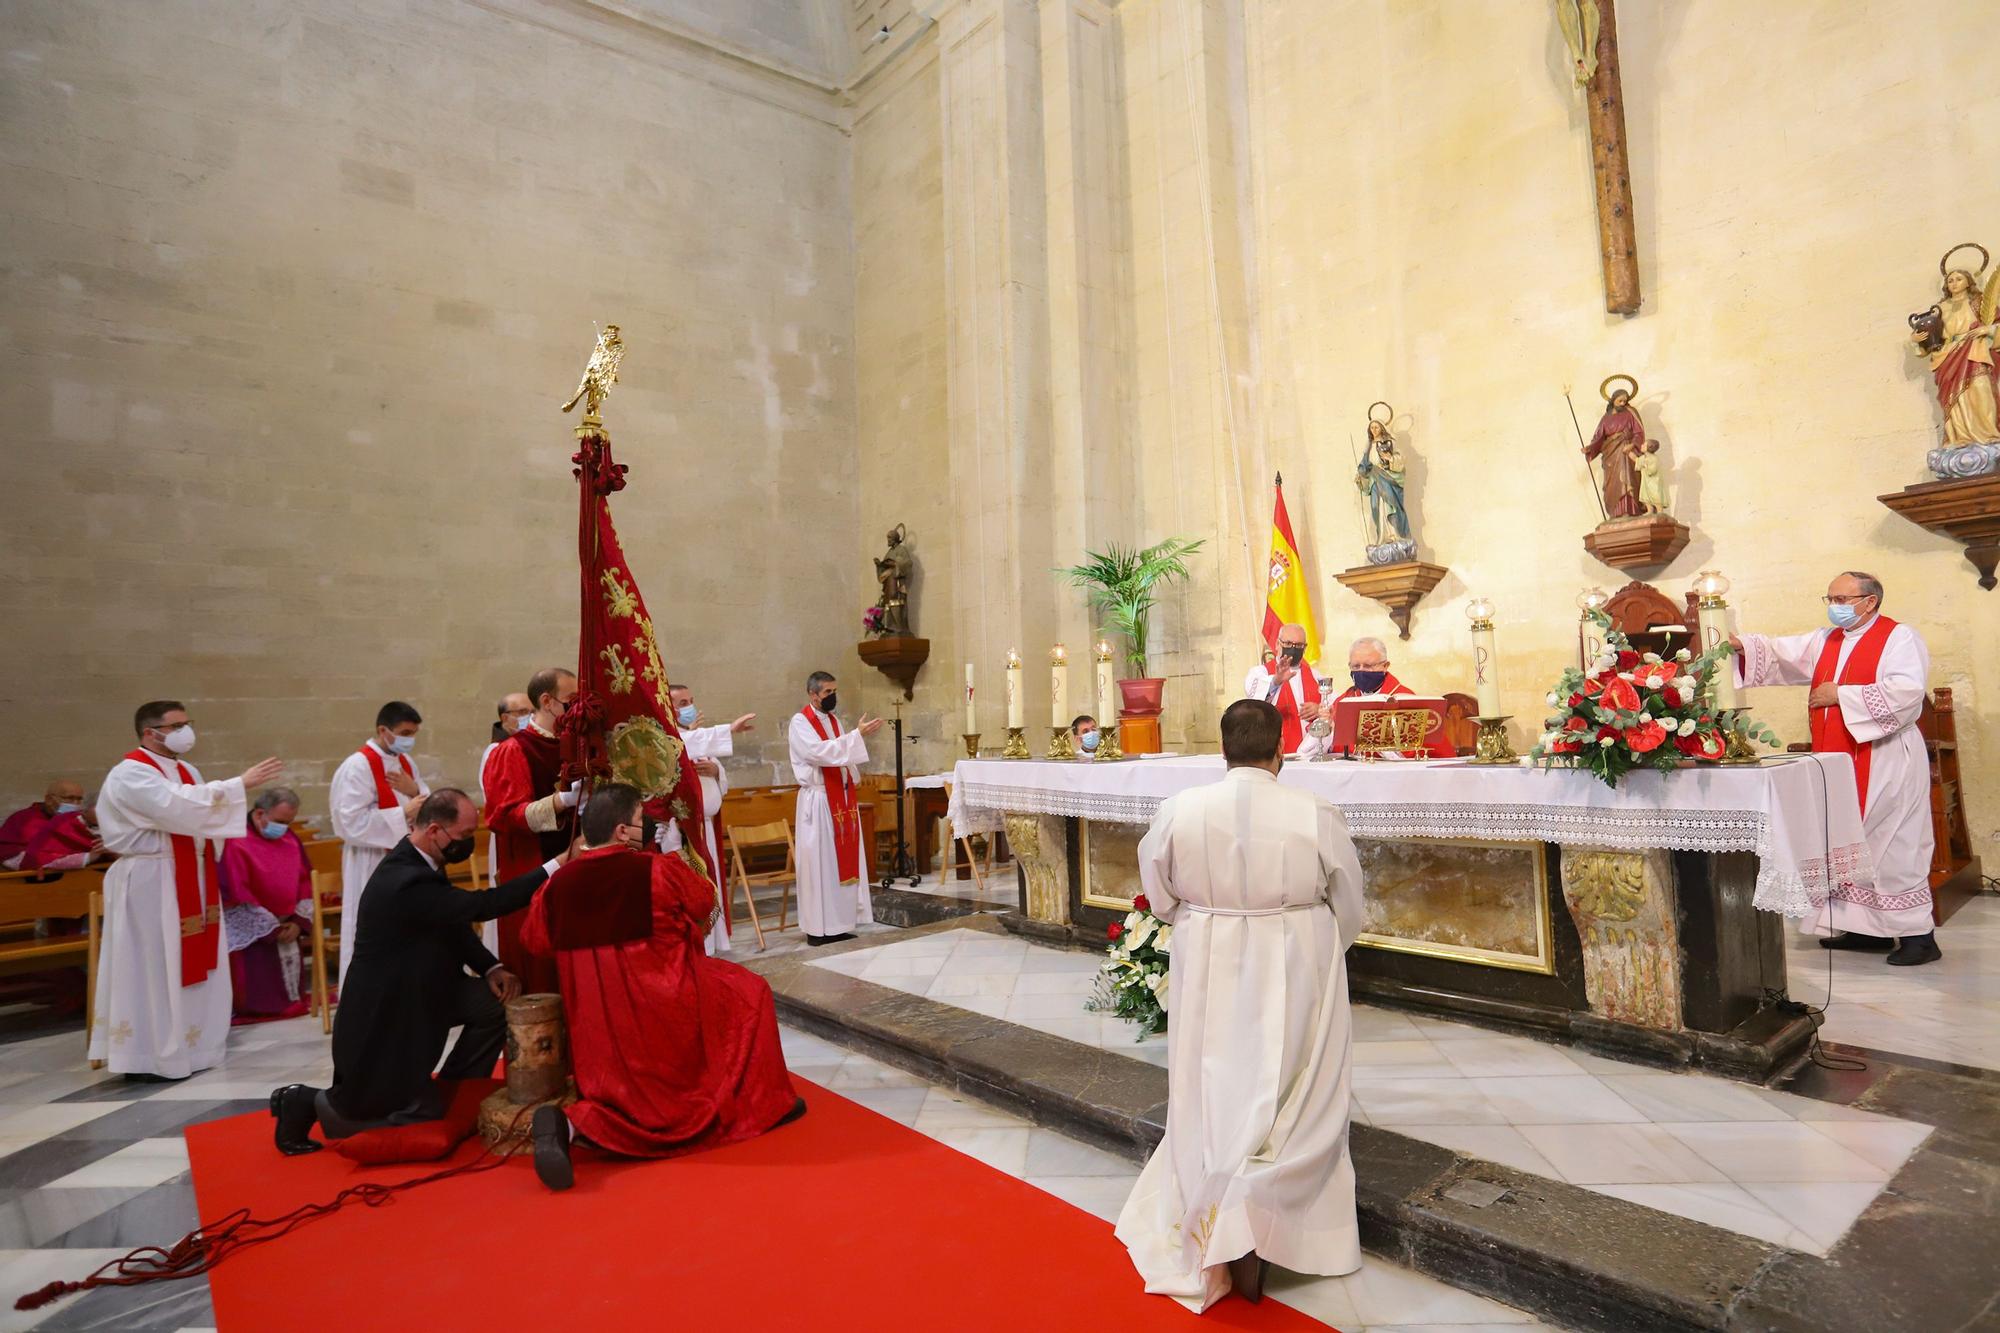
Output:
x,y
531,819
63,798
673,1050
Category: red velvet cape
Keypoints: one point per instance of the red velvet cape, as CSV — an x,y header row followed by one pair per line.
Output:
x,y
522,771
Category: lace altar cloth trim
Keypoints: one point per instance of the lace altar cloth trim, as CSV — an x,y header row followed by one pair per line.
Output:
x,y
1798,867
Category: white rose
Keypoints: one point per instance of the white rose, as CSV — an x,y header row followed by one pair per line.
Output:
x,y
1644,718
1551,699
1608,741
1624,675
1683,656
1686,728
1654,682
1650,657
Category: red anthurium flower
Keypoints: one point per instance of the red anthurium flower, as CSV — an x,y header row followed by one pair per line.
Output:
x,y
1576,724
1702,745
1563,747
1619,695
1666,671
1646,738
1592,688
1141,903
1114,930
1575,699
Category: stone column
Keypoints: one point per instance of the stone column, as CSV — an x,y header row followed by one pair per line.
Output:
x,y
1041,845
1624,909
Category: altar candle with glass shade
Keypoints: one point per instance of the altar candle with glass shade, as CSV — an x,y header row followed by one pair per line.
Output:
x,y
1058,686
1107,698
1712,624
971,718
1013,688
1588,601
1485,672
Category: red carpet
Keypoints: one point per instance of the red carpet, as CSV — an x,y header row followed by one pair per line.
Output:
x,y
844,1220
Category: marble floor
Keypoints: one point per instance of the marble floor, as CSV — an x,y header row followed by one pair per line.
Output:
x,y
1948,1010
1778,1167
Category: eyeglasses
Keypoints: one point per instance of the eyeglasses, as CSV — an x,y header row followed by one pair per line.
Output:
x,y
1843,600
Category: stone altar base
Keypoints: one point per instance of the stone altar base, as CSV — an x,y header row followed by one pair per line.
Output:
x,y
1578,1258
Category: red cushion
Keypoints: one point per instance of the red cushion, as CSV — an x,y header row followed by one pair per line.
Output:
x,y
427,1140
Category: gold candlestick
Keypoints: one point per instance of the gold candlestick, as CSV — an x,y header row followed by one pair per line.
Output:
x,y
1737,748
1017,744
1491,745
971,739
1060,745
1107,742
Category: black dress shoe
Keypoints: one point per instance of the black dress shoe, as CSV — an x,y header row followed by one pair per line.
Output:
x,y
1913,950
550,1132
292,1109
1855,940
1246,1274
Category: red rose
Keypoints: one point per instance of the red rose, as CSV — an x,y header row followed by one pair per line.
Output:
x,y
1563,747
1141,904
1576,724
1627,660
1114,930
1606,734
1619,696
1645,738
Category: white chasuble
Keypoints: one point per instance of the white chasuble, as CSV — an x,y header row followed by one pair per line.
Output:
x,y
1263,890
368,831
826,906
146,1021
1896,818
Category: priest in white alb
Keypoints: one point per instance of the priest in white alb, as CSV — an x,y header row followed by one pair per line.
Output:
x,y
373,794
1867,675
826,832
1261,886
163,993
707,746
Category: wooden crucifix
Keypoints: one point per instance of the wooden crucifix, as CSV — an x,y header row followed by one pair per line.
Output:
x,y
1590,28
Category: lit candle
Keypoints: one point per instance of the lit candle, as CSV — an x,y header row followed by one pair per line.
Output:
x,y
1485,666
1107,699
971,718
1013,688
1712,623
1058,686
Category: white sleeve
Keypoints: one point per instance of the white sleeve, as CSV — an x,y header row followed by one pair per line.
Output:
x,y
1896,699
1156,865
215,810
845,750
1343,873
715,742
1257,684
356,817
1785,660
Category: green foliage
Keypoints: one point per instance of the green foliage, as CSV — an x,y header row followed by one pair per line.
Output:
x,y
1121,581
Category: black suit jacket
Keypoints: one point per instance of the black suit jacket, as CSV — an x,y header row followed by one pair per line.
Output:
x,y
400,997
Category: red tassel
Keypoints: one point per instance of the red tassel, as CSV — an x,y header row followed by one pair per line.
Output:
x,y
41,1296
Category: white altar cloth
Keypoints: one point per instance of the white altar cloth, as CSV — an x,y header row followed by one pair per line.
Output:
x,y
1797,814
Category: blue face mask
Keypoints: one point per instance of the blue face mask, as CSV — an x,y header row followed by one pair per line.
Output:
x,y
1841,614
67,809
686,715
274,830
1090,741
402,744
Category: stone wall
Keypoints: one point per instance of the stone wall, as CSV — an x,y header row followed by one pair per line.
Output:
x,y
291,295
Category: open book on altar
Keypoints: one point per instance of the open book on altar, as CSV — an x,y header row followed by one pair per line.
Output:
x,y
1410,726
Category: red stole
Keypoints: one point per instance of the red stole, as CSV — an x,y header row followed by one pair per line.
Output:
x,y
385,799
840,801
1829,729
1288,707
201,930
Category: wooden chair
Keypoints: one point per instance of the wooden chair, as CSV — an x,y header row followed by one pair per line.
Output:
x,y
25,899
323,855
325,941
1459,728
759,836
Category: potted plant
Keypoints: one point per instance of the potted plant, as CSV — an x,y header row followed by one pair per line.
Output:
x,y
1121,582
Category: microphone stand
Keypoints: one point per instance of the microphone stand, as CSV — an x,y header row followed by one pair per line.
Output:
x,y
901,865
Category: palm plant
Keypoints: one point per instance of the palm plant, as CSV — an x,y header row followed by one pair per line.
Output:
x,y
1121,580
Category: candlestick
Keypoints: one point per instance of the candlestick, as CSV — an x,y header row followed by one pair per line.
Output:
x,y
1058,686
1014,721
1491,746
1060,744
971,739
1712,621
971,718
1017,744
1107,706
1485,666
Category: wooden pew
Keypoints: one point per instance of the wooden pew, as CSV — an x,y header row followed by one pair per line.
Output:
x,y
25,897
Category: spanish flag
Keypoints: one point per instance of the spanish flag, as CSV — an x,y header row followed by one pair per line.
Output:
x,y
1288,598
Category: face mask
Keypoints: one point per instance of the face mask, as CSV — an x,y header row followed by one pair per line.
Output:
x,y
1841,614
1368,681
831,702
274,830
686,715
67,809
1294,655
402,744
1089,741
180,740
455,851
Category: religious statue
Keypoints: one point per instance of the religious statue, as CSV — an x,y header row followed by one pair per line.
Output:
x,y
1617,444
600,374
892,571
1380,475
1652,479
1957,335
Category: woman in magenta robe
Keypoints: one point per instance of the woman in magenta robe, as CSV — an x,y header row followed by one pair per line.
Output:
x,y
266,906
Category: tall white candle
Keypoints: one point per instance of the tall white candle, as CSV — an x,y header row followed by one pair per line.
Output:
x,y
1593,641
1107,699
1713,623
971,718
1013,688
1485,675
1058,686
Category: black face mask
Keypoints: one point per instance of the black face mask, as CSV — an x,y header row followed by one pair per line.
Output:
x,y
649,832
1291,653
455,851
830,702
1368,681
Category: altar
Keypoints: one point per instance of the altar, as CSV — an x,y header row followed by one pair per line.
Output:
x,y
1645,919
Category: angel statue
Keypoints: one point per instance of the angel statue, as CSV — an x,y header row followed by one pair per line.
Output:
x,y
1380,476
600,374
1957,334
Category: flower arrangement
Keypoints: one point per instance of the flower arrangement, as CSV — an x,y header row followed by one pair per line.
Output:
x,y
873,620
1132,983
1630,710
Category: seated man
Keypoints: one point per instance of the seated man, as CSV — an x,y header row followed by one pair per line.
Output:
x,y
1084,735
63,801
1368,668
672,1050
409,986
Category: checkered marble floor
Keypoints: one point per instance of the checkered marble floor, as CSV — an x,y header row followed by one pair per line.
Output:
x,y
1778,1167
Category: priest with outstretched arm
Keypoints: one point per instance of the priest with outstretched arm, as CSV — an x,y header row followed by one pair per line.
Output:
x,y
673,1050
707,746
832,863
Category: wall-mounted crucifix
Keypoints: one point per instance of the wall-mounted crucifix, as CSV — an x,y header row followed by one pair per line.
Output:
x,y
1590,30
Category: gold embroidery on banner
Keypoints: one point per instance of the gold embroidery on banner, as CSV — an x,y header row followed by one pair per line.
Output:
x,y
654,673
619,600
620,670
643,755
